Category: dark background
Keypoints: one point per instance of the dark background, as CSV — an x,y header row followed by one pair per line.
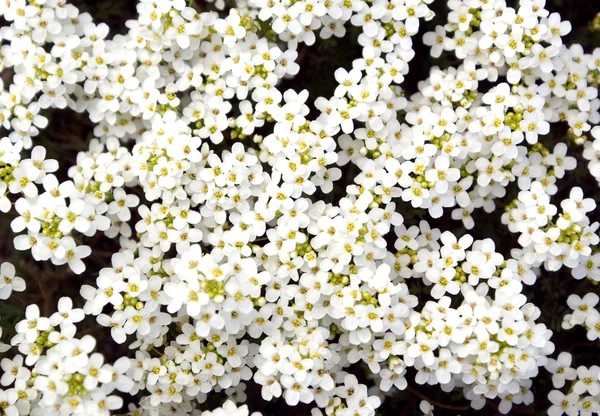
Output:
x,y
69,133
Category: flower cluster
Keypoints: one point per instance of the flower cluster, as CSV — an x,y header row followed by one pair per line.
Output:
x,y
22,176
60,373
584,314
556,238
583,383
235,263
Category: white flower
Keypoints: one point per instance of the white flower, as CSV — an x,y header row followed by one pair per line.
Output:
x,y
33,324
533,125
8,281
66,315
